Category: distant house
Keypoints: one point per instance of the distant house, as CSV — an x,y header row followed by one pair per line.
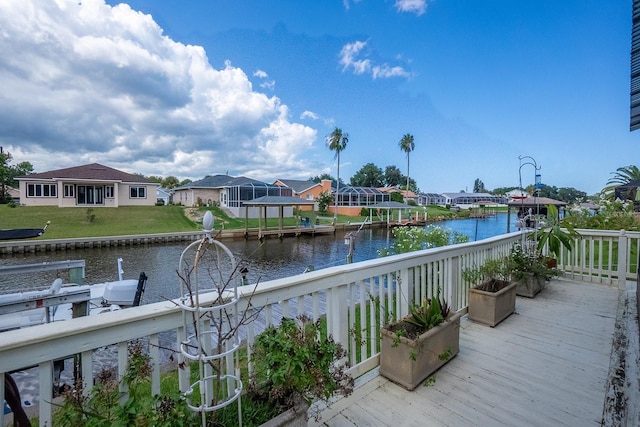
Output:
x,y
351,199
517,194
230,193
306,190
425,199
164,195
406,195
468,200
13,193
87,185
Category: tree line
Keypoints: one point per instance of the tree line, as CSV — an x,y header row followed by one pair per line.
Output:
x,y
369,175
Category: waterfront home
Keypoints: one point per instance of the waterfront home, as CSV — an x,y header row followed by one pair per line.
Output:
x,y
425,199
407,195
468,200
92,185
304,189
230,193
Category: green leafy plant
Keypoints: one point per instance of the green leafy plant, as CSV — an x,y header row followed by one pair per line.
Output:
x,y
298,359
427,315
101,405
553,235
523,263
422,317
491,276
408,239
324,199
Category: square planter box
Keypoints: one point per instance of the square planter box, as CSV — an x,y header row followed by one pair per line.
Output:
x,y
530,285
294,417
429,349
492,308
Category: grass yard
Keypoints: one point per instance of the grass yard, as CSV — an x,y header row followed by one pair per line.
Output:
x,y
84,222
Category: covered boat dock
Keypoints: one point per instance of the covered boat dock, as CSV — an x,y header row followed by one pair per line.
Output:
x,y
535,206
302,227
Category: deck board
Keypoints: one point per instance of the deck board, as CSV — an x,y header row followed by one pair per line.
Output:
x,y
545,365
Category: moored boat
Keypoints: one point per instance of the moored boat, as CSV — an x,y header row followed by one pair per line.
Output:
x,y
63,302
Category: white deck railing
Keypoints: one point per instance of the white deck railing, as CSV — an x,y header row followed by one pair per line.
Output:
x,y
355,299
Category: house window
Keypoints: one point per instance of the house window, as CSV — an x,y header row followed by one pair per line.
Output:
x,y
42,190
69,190
137,192
108,192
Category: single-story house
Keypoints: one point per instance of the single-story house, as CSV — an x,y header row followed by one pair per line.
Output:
x,y
469,200
351,199
304,189
164,195
92,185
406,195
230,193
425,199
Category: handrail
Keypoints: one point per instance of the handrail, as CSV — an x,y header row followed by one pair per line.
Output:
x,y
340,294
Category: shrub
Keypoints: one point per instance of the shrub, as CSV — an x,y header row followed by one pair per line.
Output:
x,y
298,358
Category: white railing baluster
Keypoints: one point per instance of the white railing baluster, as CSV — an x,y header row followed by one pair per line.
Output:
x,y
154,353
86,366
123,357
184,370
622,260
45,377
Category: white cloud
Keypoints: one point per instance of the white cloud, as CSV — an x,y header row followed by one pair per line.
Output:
x,y
347,3
88,82
411,6
261,74
354,57
309,115
266,84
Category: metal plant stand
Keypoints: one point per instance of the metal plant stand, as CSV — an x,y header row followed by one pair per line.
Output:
x,y
209,303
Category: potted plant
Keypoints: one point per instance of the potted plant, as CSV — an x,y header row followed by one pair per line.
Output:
x,y
493,298
530,271
416,346
295,364
553,236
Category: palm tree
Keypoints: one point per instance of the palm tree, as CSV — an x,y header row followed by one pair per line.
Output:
x,y
337,141
621,176
407,145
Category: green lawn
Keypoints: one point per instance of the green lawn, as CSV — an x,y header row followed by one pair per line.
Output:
x,y
76,222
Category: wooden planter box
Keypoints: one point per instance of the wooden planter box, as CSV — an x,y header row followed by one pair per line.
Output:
x,y
294,417
530,285
492,308
429,349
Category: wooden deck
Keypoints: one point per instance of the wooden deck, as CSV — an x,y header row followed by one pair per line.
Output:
x,y
545,365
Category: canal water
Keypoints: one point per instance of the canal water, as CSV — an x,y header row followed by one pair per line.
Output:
x,y
271,259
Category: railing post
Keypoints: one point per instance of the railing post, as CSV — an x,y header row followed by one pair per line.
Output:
x,y
622,260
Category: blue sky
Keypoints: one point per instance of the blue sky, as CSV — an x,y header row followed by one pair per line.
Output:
x,y
253,88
